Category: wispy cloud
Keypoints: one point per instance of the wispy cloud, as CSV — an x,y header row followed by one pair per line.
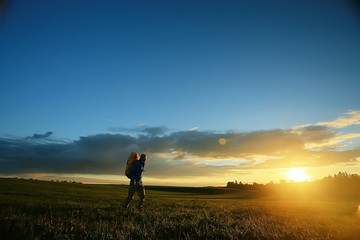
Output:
x,y
325,134
142,129
351,118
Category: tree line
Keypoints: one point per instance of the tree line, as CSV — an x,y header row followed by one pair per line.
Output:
x,y
340,185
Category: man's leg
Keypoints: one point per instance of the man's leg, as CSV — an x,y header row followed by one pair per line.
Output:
x,y
141,192
132,190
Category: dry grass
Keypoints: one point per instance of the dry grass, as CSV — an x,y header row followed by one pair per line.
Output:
x,y
46,210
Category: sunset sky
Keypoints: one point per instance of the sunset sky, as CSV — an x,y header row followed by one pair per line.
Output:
x,y
211,91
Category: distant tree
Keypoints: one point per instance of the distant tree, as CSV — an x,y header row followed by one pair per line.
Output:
x,y
230,184
283,182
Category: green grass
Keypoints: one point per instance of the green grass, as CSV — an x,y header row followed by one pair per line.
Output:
x,y
50,210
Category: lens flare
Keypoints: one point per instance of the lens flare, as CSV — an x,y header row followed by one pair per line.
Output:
x,y
222,141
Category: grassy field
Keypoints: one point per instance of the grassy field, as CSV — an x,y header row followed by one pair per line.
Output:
x,y
32,209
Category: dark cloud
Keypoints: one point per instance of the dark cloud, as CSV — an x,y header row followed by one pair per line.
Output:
x,y
206,144
162,168
317,134
40,136
169,154
154,131
155,144
99,154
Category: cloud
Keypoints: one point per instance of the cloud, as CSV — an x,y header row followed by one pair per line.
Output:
x,y
161,168
318,137
40,136
325,134
174,154
99,154
317,134
142,129
311,159
206,144
154,131
351,118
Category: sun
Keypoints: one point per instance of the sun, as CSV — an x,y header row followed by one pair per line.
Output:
x,y
297,175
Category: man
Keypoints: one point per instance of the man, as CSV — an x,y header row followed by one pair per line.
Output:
x,y
136,185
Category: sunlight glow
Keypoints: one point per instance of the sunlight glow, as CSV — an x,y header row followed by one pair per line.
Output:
x,y
297,175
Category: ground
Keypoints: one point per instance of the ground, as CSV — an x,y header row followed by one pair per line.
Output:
x,y
32,209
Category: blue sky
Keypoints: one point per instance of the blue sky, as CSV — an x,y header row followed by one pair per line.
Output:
x,y
82,68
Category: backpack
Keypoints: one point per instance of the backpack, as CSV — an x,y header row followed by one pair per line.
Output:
x,y
130,161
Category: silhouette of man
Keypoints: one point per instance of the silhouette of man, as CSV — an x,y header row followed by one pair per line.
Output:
x,y
136,184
